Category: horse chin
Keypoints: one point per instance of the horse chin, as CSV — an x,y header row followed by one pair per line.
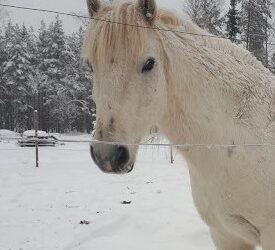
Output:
x,y
125,170
129,168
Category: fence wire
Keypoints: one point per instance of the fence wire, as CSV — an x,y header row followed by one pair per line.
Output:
x,y
127,24
92,141
184,145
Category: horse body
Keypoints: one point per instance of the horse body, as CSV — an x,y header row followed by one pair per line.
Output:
x,y
233,188
198,90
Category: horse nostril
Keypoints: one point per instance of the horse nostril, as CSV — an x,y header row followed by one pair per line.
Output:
x,y
122,156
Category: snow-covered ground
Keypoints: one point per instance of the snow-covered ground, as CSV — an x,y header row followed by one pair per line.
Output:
x,y
41,208
4,133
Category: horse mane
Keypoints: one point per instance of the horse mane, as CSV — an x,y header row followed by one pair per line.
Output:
x,y
186,28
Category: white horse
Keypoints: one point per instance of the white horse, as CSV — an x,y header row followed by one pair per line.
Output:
x,y
198,90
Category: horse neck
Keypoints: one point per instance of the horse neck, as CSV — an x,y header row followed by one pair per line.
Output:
x,y
214,99
192,115
205,94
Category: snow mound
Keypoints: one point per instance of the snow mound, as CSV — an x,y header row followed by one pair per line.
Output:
x,y
56,135
7,133
32,133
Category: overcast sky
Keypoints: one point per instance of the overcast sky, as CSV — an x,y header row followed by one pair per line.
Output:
x,y
78,6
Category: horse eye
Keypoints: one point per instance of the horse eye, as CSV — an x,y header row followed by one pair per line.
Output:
x,y
90,66
149,65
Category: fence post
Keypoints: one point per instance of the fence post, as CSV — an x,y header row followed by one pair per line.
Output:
x,y
35,121
171,155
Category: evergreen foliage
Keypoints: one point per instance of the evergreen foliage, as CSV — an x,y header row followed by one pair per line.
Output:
x,y
255,19
233,21
206,14
43,71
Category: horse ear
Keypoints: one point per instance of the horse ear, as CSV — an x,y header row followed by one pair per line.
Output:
x,y
148,9
93,6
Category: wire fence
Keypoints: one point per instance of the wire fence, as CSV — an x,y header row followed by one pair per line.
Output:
x,y
185,145
93,141
128,24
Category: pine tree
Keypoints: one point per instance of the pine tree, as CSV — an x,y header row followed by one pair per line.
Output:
x,y
26,62
43,81
233,21
255,26
3,90
17,78
6,90
272,64
206,14
44,72
80,88
52,63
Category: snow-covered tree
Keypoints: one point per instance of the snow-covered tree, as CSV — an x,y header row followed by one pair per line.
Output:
x,y
255,21
80,90
17,77
43,86
3,90
233,21
272,63
206,14
44,72
53,57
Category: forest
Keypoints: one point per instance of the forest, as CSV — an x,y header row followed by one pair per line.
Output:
x,y
42,69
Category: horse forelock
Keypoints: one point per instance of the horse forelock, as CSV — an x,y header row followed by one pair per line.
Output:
x,y
110,38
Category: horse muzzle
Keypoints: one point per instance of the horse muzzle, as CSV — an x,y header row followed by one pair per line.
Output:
x,y
111,158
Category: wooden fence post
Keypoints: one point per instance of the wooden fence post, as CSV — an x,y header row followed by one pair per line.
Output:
x,y
171,155
35,121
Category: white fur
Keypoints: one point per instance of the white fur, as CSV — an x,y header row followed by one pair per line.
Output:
x,y
202,90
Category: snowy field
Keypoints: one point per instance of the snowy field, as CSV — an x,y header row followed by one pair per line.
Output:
x,y
41,208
